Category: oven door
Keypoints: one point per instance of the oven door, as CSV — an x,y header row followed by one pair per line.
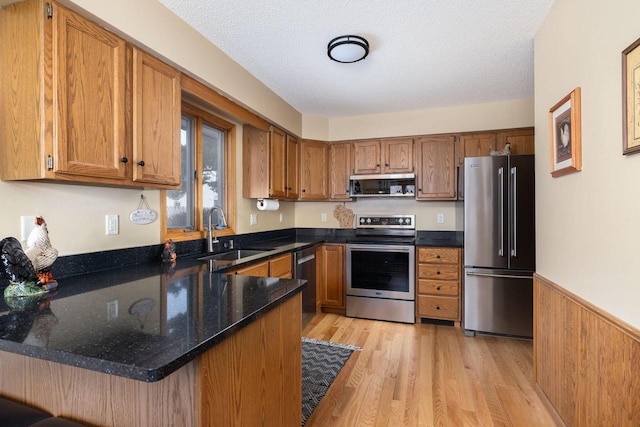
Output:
x,y
381,271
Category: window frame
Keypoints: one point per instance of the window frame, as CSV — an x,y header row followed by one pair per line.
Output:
x,y
201,116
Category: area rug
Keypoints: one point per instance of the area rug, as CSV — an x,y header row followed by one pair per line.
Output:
x,y
321,363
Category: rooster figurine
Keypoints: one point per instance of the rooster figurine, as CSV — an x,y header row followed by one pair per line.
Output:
x,y
40,251
29,271
504,152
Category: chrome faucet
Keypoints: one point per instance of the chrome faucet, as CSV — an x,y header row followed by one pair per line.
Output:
x,y
211,236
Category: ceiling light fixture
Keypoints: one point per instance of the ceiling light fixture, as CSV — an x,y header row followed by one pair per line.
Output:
x,y
347,49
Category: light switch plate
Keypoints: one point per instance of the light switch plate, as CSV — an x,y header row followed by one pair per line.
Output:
x,y
253,219
27,224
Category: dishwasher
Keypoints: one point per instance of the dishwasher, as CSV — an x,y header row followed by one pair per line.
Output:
x,y
304,262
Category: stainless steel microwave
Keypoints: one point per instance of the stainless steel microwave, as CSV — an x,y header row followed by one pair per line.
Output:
x,y
389,185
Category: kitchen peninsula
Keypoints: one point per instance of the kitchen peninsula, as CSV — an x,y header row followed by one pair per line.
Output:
x,y
152,345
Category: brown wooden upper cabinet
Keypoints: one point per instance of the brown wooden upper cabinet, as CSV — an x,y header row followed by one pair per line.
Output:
x,y
90,109
339,170
522,140
436,168
314,170
270,164
394,155
481,143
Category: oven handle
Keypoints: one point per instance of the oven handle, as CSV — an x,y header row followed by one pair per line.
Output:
x,y
499,276
382,246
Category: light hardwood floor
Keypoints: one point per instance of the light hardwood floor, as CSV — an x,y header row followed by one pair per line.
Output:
x,y
426,375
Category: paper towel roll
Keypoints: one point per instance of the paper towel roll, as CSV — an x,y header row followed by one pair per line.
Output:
x,y
268,205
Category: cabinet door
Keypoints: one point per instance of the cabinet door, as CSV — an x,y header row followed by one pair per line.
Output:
x,y
339,170
478,144
281,267
313,170
255,163
332,265
522,140
436,168
366,157
260,269
89,66
277,163
397,155
293,162
156,121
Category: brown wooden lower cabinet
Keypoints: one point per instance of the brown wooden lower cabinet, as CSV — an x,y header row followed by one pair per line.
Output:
x,y
438,285
331,277
279,266
251,378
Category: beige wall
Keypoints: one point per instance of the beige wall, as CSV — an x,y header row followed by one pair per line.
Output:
x,y
588,230
461,118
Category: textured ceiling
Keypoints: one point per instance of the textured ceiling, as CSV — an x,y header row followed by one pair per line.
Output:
x,y
423,53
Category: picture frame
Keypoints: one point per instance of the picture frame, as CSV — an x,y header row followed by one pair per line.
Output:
x,y
565,140
631,99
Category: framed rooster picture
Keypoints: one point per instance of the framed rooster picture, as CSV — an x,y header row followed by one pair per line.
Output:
x,y
565,135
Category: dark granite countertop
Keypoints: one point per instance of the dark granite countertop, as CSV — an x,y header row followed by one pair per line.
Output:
x,y
145,321
141,322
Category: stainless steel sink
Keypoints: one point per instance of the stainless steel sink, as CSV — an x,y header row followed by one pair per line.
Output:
x,y
233,255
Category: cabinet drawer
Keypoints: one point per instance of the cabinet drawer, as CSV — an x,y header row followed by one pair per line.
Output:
x,y
439,255
438,307
280,267
438,287
439,272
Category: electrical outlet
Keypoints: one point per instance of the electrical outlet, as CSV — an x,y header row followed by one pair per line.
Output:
x,y
440,218
323,217
112,224
112,309
253,219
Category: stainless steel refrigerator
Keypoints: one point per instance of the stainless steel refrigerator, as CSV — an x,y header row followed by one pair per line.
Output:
x,y
499,245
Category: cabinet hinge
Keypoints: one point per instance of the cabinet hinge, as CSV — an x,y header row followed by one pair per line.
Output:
x,y
49,163
49,10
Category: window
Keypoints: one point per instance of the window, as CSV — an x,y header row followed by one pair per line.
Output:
x,y
208,143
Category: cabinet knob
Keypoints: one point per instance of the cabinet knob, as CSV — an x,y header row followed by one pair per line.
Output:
x,y
437,307
141,163
386,164
437,272
420,190
304,191
437,288
438,256
124,160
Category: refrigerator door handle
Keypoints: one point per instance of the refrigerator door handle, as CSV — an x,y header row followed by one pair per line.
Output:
x,y
514,225
500,276
501,203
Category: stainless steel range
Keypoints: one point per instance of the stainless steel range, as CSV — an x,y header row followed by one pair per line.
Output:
x,y
381,268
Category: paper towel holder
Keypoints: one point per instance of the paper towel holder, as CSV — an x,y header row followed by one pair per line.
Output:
x,y
268,204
